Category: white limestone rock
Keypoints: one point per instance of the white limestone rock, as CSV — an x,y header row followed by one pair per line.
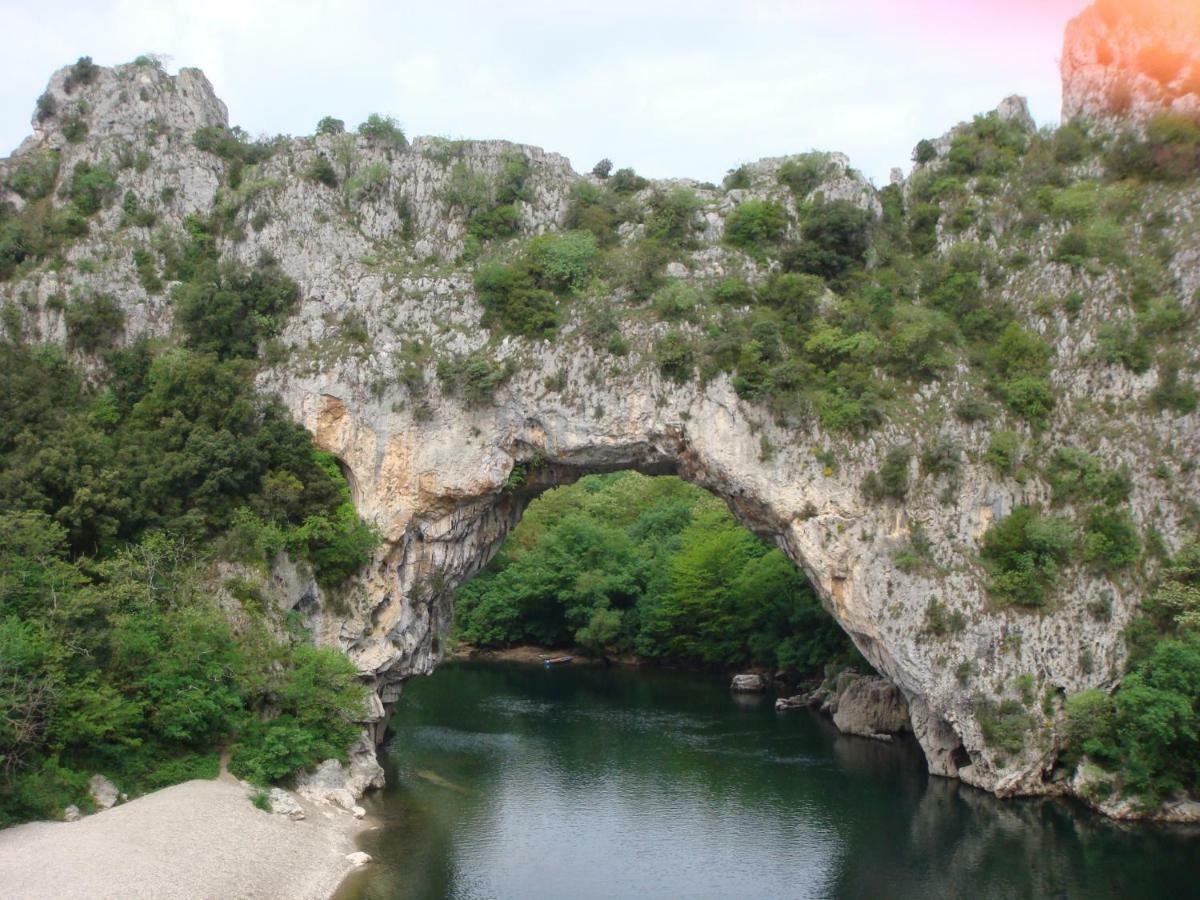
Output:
x,y
104,793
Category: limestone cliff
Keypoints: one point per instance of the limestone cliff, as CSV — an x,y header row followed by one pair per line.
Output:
x,y
1132,59
379,259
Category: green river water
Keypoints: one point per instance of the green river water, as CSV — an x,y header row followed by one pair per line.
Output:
x,y
509,781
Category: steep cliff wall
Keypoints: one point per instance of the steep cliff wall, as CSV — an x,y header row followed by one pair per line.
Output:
x,y
1132,59
445,472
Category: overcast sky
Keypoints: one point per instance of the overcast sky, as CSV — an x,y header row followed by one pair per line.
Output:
x,y
672,88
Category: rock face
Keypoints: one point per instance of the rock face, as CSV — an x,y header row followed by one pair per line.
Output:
x,y
1132,59
104,793
870,707
748,684
284,804
445,476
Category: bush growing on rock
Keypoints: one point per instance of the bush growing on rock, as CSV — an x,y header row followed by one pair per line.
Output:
x,y
834,240
890,480
755,224
330,125
1022,553
94,323
383,130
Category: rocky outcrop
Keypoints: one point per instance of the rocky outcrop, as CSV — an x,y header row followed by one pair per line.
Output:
x,y
748,683
103,792
1132,59
870,707
284,804
444,476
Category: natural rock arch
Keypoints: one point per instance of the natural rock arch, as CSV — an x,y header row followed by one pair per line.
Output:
x,y
445,497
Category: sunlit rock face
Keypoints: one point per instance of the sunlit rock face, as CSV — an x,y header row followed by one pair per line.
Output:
x,y
1132,58
445,477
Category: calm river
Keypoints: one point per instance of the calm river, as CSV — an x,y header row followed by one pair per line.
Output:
x,y
518,782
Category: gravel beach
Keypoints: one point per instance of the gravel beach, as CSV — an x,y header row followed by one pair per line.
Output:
x,y
200,839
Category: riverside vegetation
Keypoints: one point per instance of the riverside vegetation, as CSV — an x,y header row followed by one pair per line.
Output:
x,y
629,564
120,489
932,337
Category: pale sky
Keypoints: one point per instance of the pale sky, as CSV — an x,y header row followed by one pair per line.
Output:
x,y
672,88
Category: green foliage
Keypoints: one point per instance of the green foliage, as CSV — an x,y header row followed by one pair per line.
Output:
x,y
675,356
92,188
125,665
1076,476
834,240
1147,732
84,71
802,174
1110,540
1004,452
35,175
1004,724
890,480
990,146
514,302
624,563
75,129
626,181
1169,150
737,179
382,130
228,310
564,262
677,300
330,125
315,698
924,152
94,323
321,171
672,217
476,376
1019,364
755,224
1022,553
939,622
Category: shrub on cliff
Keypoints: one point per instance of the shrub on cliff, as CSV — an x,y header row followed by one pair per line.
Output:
x,y
755,224
229,310
1022,553
384,130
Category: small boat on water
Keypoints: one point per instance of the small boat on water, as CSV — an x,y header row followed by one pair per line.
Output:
x,y
549,661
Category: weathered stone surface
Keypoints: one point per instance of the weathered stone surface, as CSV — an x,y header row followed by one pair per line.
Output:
x,y
72,814
284,804
1132,59
870,707
103,792
359,858
332,782
749,683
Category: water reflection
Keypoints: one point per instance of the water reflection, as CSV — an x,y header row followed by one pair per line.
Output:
x,y
521,782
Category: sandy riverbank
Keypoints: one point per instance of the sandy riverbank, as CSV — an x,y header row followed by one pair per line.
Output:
x,y
200,839
534,655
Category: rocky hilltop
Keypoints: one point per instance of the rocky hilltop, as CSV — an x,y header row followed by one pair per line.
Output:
x,y
1015,331
1132,59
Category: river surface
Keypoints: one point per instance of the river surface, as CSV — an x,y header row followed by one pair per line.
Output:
x,y
509,781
